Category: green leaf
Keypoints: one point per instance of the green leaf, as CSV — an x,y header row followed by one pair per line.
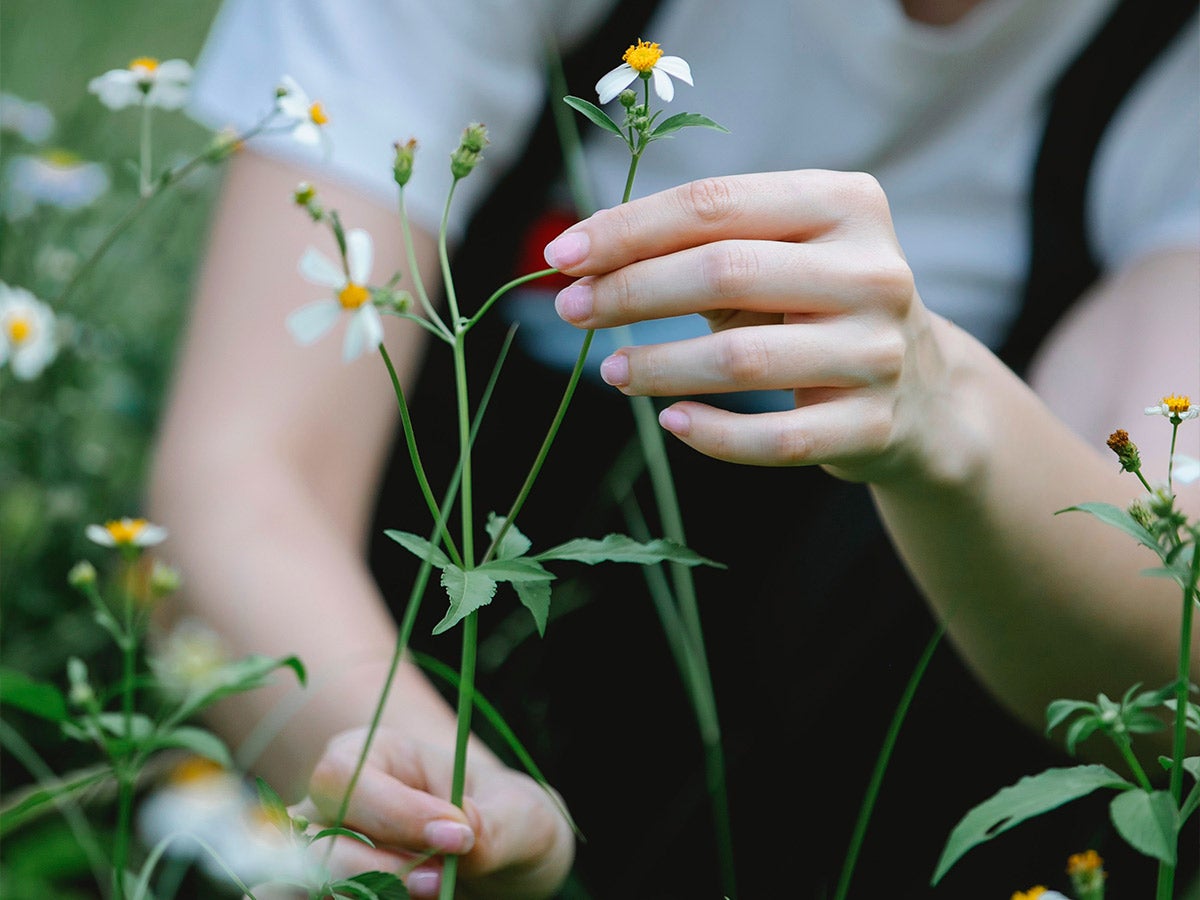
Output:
x,y
245,674
372,885
272,803
467,590
1148,822
1117,517
25,806
622,548
521,569
684,120
1058,711
535,597
595,113
198,740
514,543
1029,797
341,831
39,698
420,547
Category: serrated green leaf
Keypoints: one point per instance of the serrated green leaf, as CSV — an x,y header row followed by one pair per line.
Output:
x,y
514,543
1029,797
38,698
370,885
420,548
1147,821
521,569
467,590
198,740
1118,518
622,548
685,120
535,597
594,113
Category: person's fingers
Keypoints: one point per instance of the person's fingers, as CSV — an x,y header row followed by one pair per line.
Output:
x,y
769,277
774,206
835,353
832,433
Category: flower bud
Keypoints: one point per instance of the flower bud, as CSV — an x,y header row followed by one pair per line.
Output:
x,y
467,156
1126,450
475,137
82,575
627,97
402,166
164,579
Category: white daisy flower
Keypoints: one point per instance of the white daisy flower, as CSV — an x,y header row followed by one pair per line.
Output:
x,y
189,658
311,322
145,80
31,121
54,178
1184,469
126,533
309,116
28,339
639,59
1174,407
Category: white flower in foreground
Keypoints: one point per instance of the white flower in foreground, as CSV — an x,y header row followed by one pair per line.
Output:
x,y
639,59
1184,469
126,533
28,342
147,80
31,121
1174,407
189,658
308,116
311,322
54,178
208,814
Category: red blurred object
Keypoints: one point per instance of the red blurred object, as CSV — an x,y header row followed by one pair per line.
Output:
x,y
544,229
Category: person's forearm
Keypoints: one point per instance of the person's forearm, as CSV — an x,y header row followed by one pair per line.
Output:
x,y
1040,605
269,573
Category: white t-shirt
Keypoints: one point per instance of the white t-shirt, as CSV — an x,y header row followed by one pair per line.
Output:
x,y
946,118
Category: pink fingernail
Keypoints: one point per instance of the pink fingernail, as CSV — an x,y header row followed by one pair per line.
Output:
x,y
615,370
675,421
423,883
449,837
574,302
567,249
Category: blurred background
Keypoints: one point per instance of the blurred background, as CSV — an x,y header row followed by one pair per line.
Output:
x,y
74,439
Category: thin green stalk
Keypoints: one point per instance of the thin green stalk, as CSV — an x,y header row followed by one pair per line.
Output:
x,y
466,702
444,259
415,272
881,763
145,178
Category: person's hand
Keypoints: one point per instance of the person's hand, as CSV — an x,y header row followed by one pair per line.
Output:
x,y
512,837
805,287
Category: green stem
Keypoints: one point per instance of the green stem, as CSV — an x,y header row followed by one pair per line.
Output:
x,y
145,179
415,272
1126,747
504,289
444,259
466,702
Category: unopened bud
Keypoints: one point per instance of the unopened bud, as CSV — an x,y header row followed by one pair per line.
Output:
x,y
164,579
82,575
1126,450
1140,513
627,98
304,194
388,300
402,165
467,156
475,137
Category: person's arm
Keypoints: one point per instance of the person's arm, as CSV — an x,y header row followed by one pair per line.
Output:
x,y
806,287
265,471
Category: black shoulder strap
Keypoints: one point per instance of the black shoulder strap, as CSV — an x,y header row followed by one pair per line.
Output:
x,y
1062,264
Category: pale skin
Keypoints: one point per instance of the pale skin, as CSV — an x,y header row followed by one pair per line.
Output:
x,y
805,286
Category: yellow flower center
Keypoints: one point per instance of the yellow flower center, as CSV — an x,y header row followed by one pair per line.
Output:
x,y
195,769
316,112
1032,894
144,66
1080,863
19,329
1177,405
353,296
125,531
642,56
61,159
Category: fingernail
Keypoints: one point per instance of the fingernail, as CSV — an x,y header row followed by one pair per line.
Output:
x,y
449,837
574,302
615,370
567,249
675,421
423,883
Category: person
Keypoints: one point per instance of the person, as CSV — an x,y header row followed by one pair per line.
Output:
x,y
835,300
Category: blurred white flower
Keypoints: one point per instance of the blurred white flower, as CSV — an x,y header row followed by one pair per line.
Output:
x,y
188,658
126,533
309,323
308,116
163,84
28,342
210,815
1184,469
31,121
54,178
640,58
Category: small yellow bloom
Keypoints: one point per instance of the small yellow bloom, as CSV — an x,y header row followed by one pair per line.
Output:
x,y
645,60
1032,894
1082,863
127,532
1175,407
643,55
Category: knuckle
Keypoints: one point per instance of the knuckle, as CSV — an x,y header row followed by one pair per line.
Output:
x,y
862,190
729,268
743,356
617,294
710,200
791,446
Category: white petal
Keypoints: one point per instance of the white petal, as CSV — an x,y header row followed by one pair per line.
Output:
x,y
100,535
320,269
116,88
308,133
360,255
167,95
662,85
178,70
309,323
364,332
615,82
1184,469
676,67
150,535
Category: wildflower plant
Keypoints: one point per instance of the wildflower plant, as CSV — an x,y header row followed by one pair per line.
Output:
x,y
1147,817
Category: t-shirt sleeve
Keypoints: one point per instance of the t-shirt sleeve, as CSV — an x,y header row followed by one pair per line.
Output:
x,y
386,71
1145,195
